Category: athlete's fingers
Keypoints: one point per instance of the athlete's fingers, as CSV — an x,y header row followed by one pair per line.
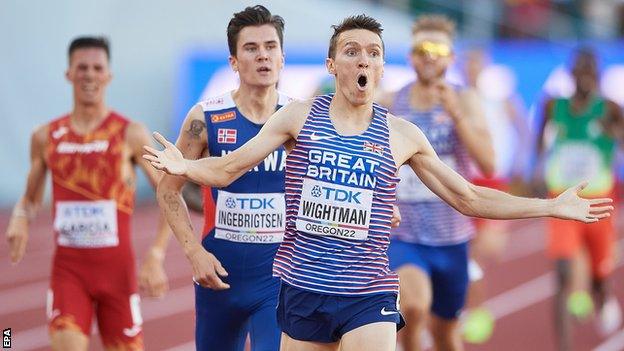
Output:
x,y
151,158
601,201
161,140
601,215
590,220
214,282
13,247
600,209
20,248
580,186
220,270
159,290
164,288
158,166
396,217
151,150
143,285
214,276
220,285
394,223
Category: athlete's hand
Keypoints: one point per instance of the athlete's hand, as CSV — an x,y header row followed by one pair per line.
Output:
x,y
153,280
207,269
169,160
569,205
449,99
17,238
396,217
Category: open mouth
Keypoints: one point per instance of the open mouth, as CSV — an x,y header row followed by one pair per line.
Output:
x,y
362,81
88,87
264,69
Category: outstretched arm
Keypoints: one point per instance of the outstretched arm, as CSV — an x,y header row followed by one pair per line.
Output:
x,y
282,126
479,201
27,207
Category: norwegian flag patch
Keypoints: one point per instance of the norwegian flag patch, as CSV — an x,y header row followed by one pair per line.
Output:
x,y
226,136
372,147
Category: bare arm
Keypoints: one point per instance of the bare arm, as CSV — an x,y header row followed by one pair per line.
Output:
x,y
137,136
27,207
213,171
516,112
537,181
547,115
192,141
473,132
152,278
479,201
281,128
614,121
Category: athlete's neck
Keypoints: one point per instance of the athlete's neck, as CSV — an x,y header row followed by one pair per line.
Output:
x,y
349,118
85,118
582,97
256,104
424,95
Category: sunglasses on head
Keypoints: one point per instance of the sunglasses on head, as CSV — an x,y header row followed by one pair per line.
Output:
x,y
432,49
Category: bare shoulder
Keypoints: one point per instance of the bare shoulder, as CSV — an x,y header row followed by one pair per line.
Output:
x,y
137,135
194,123
406,139
549,103
39,137
613,107
298,107
404,128
196,113
292,116
40,133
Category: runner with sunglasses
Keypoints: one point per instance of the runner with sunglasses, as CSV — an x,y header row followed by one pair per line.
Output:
x,y
429,250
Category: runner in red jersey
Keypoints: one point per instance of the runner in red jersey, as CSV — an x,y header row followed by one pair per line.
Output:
x,y
90,153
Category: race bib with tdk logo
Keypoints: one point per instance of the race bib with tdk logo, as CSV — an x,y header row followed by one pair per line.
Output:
x,y
250,217
86,224
334,210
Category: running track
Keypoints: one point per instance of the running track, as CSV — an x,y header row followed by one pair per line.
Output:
x,y
520,291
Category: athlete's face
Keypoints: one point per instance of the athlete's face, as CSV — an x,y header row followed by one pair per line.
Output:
x,y
358,65
259,57
585,75
432,54
89,74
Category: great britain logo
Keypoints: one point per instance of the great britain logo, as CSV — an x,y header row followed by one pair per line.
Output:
x,y
373,147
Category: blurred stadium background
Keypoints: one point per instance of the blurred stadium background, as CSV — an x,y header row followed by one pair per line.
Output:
x,y
166,55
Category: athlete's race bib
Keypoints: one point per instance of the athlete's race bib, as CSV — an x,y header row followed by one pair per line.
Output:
x,y
412,189
575,162
334,210
250,218
86,224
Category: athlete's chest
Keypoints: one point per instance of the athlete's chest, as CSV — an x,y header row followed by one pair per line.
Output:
x,y
97,152
228,130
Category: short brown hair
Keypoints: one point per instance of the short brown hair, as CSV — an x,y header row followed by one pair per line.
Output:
x,y
89,42
354,22
253,16
438,23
